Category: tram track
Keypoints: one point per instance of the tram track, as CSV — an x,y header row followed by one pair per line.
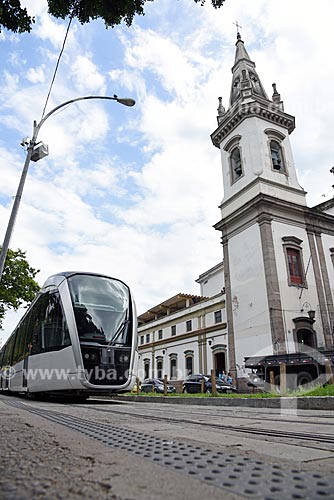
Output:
x,y
234,473
306,437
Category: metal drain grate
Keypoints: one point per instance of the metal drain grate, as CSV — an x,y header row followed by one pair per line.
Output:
x,y
234,473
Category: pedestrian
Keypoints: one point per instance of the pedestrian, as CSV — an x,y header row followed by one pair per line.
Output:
x,y
229,379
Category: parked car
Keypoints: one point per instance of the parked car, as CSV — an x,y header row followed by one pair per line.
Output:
x,y
193,384
156,385
255,381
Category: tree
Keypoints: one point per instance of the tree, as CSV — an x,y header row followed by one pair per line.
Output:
x,y
15,18
17,286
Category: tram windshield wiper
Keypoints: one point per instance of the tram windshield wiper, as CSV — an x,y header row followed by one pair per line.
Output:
x,y
119,331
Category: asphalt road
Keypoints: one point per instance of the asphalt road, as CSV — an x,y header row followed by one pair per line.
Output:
x,y
134,450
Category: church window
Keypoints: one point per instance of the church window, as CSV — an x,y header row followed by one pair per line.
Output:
x,y
173,366
146,368
295,268
236,165
276,156
294,261
189,359
275,139
159,367
232,147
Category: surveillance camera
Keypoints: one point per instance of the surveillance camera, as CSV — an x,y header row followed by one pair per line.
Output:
x,y
25,141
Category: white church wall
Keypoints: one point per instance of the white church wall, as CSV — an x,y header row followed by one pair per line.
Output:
x,y
212,281
256,161
249,295
213,285
328,242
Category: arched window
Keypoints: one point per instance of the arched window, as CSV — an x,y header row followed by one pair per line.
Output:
x,y
236,166
276,156
232,147
173,366
189,362
146,368
275,139
160,365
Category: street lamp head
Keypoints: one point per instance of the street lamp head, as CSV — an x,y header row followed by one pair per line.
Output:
x,y
127,101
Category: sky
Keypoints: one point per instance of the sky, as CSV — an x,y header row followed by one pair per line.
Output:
x,y
133,193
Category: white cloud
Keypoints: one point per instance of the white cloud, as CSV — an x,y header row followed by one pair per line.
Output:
x,y
87,77
36,75
134,192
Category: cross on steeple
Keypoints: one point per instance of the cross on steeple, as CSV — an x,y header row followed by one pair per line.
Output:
x,y
238,26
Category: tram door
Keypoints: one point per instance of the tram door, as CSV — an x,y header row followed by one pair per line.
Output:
x,y
220,363
25,371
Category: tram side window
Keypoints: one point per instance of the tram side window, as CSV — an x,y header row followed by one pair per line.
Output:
x,y
21,349
8,353
16,350
48,325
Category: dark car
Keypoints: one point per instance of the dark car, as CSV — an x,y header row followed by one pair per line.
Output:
x,y
156,385
193,384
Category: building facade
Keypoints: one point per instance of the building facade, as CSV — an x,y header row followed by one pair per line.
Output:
x,y
278,253
187,333
275,287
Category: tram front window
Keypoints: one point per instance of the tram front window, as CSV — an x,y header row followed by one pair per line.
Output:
x,y
101,309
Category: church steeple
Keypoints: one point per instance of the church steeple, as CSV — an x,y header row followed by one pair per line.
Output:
x,y
253,136
245,80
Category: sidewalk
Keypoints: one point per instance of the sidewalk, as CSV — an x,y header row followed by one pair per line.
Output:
x,y
34,464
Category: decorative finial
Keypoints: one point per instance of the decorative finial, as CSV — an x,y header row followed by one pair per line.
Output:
x,y
238,33
220,109
277,98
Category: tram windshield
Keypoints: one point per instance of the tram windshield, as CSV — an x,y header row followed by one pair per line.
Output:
x,y
101,309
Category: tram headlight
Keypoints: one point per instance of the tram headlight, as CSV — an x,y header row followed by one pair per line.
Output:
x,y
90,356
124,358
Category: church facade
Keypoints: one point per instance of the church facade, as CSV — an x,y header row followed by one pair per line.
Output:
x,y
275,285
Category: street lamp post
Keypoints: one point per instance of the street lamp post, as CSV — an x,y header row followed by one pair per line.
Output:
x,y
31,148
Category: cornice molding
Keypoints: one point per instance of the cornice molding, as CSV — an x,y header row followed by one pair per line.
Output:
x,y
259,108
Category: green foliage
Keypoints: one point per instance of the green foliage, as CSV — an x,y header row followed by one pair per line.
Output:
x,y
14,17
113,12
17,286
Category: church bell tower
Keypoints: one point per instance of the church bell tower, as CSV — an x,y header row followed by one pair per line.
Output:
x,y
265,233
253,136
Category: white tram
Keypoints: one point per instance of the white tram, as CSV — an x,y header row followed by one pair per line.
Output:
x,y
78,336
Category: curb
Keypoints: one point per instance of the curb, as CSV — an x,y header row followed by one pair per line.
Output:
x,y
301,403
